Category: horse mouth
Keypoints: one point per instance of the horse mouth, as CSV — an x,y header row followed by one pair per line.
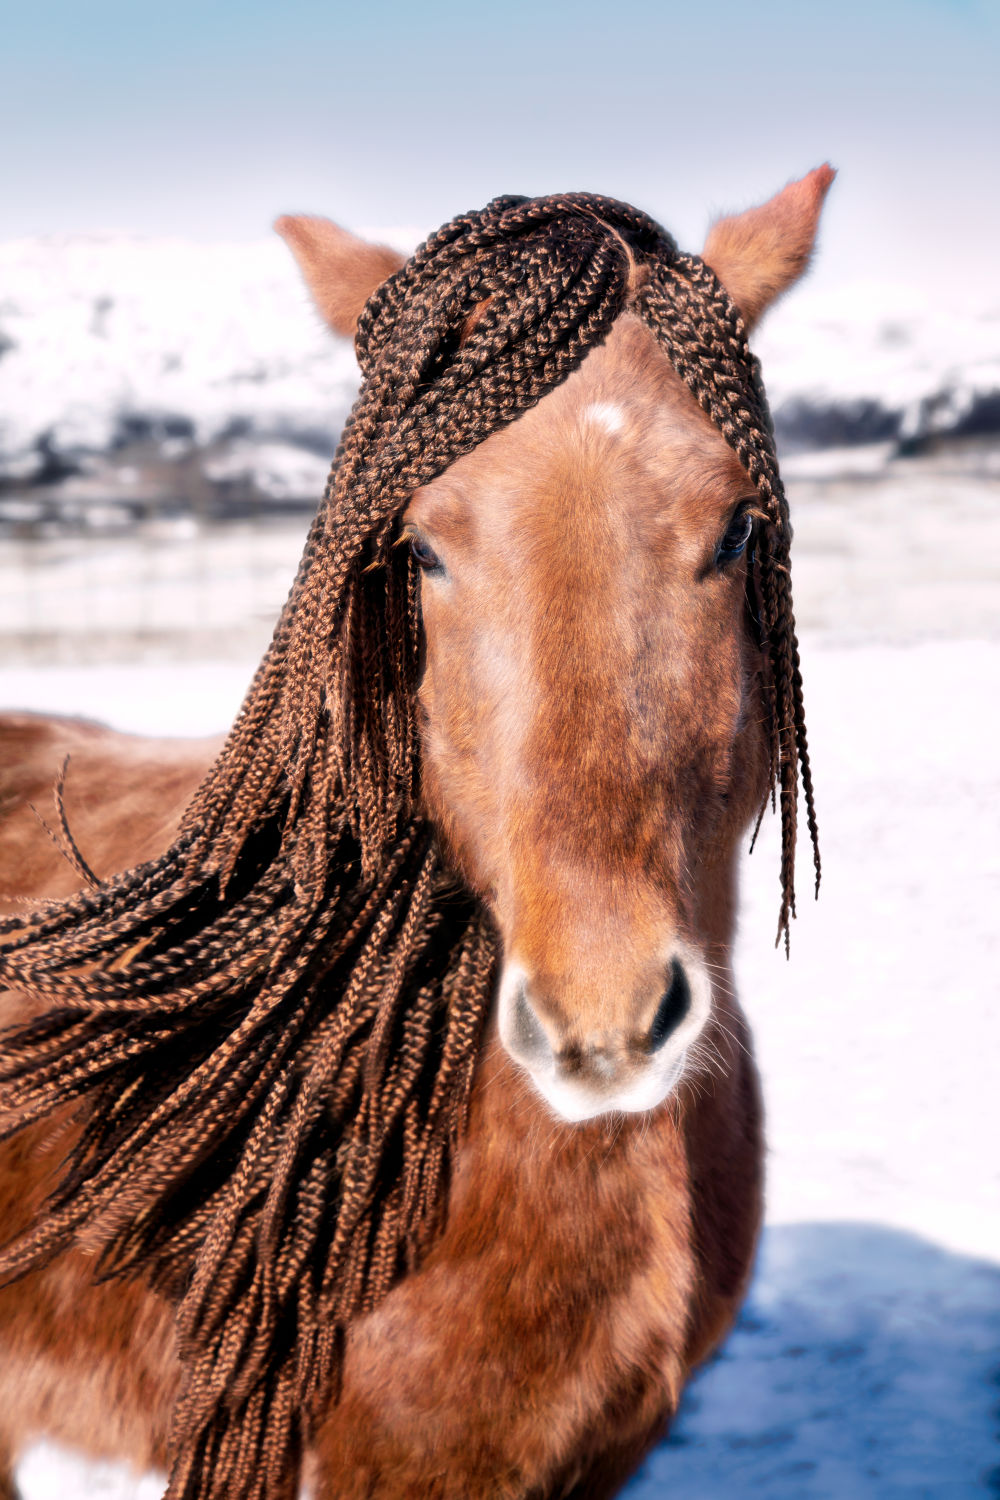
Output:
x,y
576,1102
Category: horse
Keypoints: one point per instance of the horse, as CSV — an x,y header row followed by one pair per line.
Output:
x,y
592,718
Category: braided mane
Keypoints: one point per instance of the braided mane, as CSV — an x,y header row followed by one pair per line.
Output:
x,y
275,1024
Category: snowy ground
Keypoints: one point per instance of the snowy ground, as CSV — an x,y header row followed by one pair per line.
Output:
x,y
864,1364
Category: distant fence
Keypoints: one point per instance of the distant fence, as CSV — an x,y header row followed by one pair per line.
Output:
x,y
898,550
170,588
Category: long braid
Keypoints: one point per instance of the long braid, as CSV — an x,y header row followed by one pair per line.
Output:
x,y
275,1025
705,337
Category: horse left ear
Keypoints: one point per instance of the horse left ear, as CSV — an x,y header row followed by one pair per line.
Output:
x,y
340,270
759,254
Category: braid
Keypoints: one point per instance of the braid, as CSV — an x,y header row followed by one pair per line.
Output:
x,y
276,1023
705,337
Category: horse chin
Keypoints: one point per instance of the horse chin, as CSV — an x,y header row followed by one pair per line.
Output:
x,y
575,1103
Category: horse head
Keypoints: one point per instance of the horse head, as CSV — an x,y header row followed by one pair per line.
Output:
x,y
593,730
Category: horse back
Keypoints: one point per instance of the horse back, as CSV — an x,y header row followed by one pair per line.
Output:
x,y
123,795
93,1366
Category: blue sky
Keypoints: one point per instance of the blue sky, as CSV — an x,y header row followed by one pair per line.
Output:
x,y
208,120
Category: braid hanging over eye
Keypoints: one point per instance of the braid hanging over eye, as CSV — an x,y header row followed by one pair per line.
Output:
x,y
275,1025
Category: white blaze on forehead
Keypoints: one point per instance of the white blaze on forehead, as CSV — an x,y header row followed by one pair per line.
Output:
x,y
604,414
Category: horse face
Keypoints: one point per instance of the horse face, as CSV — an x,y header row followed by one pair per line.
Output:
x,y
593,734
592,730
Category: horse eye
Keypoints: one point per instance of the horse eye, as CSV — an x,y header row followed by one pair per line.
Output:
x,y
423,554
735,537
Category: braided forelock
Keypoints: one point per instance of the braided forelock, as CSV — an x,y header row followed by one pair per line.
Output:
x,y
276,1023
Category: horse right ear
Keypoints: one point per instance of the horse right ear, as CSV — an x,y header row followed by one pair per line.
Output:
x,y
757,255
340,270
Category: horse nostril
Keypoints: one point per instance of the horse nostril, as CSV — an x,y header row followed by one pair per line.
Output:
x,y
673,1007
527,1035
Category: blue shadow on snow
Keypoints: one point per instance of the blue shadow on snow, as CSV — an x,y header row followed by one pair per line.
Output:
x,y
864,1366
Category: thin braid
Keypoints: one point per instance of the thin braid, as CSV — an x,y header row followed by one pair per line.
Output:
x,y
275,1025
705,337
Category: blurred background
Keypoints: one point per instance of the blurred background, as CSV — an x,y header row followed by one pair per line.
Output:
x,y
169,405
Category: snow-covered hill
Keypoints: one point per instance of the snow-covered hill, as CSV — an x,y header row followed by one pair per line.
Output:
x,y
108,340
159,375
873,361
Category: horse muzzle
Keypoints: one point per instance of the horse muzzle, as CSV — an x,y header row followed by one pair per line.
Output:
x,y
588,1065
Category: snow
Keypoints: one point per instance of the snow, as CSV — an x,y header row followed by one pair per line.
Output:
x,y
48,1473
862,1363
861,1369
104,328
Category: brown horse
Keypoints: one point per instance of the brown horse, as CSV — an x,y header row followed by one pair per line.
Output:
x,y
593,751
